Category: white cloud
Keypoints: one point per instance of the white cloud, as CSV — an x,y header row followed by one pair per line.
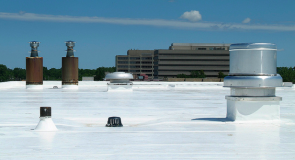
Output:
x,y
247,20
146,22
193,16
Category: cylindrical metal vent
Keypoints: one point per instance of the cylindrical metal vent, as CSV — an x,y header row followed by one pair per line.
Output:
x,y
34,66
45,111
253,59
252,79
34,70
70,66
69,70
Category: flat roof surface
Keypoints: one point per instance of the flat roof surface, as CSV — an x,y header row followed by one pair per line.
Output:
x,y
172,120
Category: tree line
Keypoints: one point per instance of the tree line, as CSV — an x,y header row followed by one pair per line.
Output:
x,y
18,74
287,73
198,74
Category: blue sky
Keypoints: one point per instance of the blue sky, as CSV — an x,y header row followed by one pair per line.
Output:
x,y
103,29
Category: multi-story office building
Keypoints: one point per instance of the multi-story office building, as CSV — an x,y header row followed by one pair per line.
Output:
x,y
136,62
182,58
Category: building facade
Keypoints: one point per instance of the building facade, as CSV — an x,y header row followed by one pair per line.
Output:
x,y
136,62
180,58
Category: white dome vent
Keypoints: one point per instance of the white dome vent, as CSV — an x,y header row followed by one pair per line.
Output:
x,y
119,81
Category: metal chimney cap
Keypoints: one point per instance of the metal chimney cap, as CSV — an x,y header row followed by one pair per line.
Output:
x,y
119,75
70,43
34,44
265,46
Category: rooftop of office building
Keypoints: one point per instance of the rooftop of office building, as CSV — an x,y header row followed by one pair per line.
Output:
x,y
162,120
200,44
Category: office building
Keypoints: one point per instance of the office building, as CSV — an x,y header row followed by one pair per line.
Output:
x,y
180,58
136,62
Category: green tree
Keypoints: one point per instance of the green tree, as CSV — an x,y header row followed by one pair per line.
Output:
x,y
19,74
202,74
182,76
45,73
86,73
195,74
100,74
287,73
221,75
54,74
4,73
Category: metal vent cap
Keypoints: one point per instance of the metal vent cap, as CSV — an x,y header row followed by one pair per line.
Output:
x,y
119,75
254,46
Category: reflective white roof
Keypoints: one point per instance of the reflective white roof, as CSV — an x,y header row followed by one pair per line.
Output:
x,y
172,120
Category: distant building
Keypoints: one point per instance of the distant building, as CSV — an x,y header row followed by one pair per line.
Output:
x,y
180,58
87,78
136,62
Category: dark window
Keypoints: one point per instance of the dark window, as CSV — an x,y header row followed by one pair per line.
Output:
x,y
121,66
146,70
123,58
134,58
202,49
146,58
122,62
216,48
146,66
122,70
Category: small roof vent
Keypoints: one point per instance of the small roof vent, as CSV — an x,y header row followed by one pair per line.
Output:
x,y
119,77
114,122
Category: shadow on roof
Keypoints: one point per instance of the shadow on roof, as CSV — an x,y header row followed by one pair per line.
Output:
x,y
213,119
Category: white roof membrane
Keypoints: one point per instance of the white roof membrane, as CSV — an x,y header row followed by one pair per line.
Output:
x,y
162,120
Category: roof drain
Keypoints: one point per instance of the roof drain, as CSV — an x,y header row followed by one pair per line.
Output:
x,y
34,68
119,81
45,123
252,81
114,122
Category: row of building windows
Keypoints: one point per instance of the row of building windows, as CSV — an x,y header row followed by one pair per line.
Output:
x,y
193,54
146,71
178,60
122,62
212,48
120,66
134,62
163,70
123,58
123,66
216,48
134,70
135,58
